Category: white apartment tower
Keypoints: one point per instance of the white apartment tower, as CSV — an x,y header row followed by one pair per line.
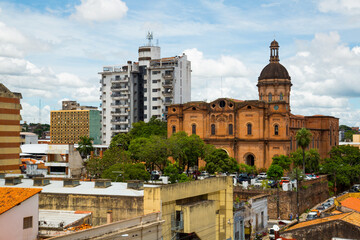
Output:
x,y
137,91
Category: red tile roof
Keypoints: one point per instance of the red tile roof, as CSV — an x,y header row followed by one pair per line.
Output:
x,y
351,217
10,197
352,203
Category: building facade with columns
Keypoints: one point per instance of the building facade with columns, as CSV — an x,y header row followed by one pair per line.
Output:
x,y
254,131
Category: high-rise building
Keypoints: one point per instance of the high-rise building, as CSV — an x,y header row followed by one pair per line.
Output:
x,y
67,126
9,130
140,90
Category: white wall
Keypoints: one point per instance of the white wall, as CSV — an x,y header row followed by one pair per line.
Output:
x,y
11,222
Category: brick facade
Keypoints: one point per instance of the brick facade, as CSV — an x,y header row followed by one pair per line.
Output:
x,y
254,131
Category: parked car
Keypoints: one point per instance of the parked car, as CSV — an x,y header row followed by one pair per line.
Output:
x,y
320,208
355,188
155,175
311,216
262,175
284,180
243,177
327,205
272,183
258,183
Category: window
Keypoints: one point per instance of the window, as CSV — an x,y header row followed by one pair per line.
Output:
x,y
28,222
145,98
291,143
276,129
145,107
154,90
154,81
281,96
154,107
249,126
270,97
193,129
145,89
173,129
154,98
212,129
261,97
231,129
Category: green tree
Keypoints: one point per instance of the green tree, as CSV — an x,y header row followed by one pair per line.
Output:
x,y
153,127
96,166
275,173
85,146
244,168
349,135
186,150
343,166
136,148
283,161
121,140
312,161
173,171
303,138
219,161
126,171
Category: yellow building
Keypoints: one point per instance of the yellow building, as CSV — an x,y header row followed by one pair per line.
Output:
x,y
201,208
9,130
67,126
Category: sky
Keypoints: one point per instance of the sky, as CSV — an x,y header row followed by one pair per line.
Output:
x,y
53,50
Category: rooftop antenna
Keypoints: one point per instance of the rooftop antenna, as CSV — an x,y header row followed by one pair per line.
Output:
x,y
149,37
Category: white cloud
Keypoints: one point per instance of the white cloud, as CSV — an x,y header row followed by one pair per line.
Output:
x,y
30,113
100,10
222,77
351,7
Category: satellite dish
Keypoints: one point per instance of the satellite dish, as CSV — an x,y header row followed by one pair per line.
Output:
x,y
276,228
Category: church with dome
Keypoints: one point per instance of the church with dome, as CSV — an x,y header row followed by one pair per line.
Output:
x,y
254,131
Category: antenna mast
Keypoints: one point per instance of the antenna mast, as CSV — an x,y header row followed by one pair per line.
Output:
x,y
149,37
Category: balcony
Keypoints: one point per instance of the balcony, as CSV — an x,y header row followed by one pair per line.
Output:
x,y
168,102
120,121
168,75
167,83
167,93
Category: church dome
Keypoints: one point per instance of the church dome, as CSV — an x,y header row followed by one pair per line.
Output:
x,y
274,70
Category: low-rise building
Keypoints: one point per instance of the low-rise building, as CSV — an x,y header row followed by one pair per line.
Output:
x,y
28,138
250,217
19,213
345,226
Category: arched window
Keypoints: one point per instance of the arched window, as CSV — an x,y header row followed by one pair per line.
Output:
x,y
193,129
212,129
249,129
281,96
276,129
261,98
231,129
270,97
173,129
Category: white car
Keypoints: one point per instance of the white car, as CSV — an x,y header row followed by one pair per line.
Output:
x,y
262,175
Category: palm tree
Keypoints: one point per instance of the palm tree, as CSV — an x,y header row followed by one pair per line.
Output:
x,y
303,138
85,146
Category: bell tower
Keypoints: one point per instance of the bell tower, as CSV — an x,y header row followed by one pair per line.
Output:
x,y
274,82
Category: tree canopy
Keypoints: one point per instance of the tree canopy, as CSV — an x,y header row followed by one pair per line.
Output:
x,y
153,127
303,138
312,160
283,161
219,161
85,146
126,171
275,172
344,164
